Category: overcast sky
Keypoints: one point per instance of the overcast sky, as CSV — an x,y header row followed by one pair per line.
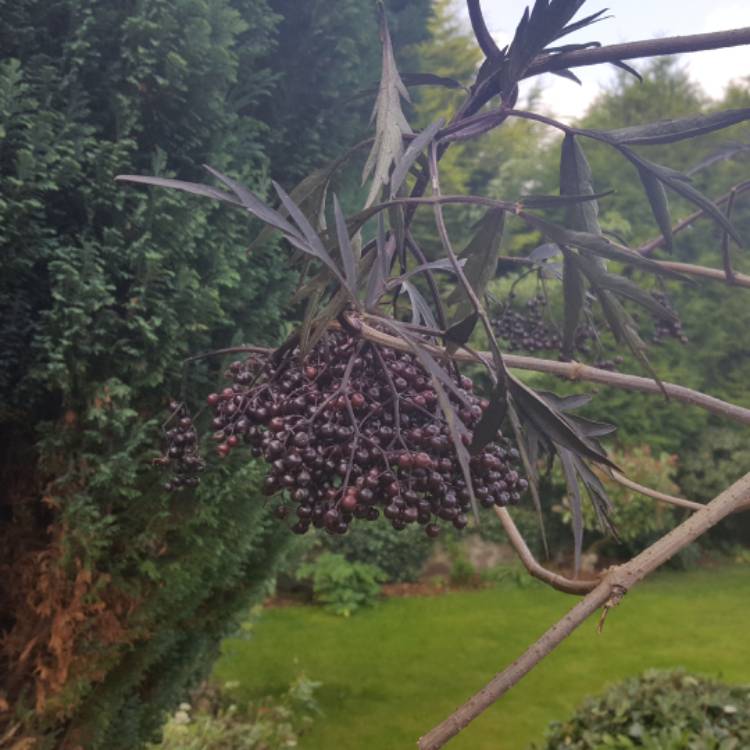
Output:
x,y
633,20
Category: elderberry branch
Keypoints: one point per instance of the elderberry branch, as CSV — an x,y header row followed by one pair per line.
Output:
x,y
561,583
579,371
616,582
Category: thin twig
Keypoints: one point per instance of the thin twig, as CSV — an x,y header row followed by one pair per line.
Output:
x,y
679,502
610,590
715,274
561,583
683,224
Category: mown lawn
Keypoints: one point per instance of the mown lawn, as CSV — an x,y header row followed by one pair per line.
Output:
x,y
390,673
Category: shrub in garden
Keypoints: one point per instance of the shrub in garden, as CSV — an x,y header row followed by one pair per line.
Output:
x,y
114,595
266,724
400,554
659,710
343,587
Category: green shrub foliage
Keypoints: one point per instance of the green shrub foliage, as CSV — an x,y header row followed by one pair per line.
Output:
x,y
343,587
113,595
659,710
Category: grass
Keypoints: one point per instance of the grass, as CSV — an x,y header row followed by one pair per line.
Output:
x,y
390,673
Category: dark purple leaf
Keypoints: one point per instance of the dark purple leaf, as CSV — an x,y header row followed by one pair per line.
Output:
x,y
543,252
555,201
574,500
657,197
671,131
196,188
413,150
311,243
576,179
568,74
345,246
421,311
628,69
492,419
552,423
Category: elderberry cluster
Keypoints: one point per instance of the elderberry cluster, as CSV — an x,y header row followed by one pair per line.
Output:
x,y
523,327
354,430
664,329
182,453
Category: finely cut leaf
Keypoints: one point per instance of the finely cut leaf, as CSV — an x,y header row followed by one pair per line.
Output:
x,y
574,296
624,287
576,179
442,264
596,244
390,123
574,500
379,273
459,333
310,194
196,188
492,418
555,201
544,24
657,197
311,243
411,154
680,183
553,424
430,79
345,246
527,440
252,203
481,259
421,312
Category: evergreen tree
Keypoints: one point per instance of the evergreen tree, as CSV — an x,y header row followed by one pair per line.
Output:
x,y
113,594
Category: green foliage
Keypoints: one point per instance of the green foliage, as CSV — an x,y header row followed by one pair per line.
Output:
x,y
394,670
656,711
266,724
399,554
462,572
716,457
105,290
343,587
